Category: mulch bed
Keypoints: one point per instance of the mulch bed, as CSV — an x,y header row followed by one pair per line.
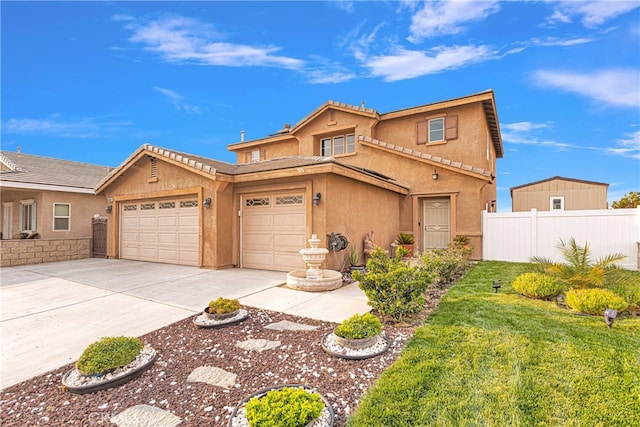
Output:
x,y
182,348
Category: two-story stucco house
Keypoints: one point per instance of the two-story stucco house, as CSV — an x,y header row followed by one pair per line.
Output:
x,y
427,170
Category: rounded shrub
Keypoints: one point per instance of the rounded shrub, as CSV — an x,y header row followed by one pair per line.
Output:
x,y
284,407
107,354
359,327
594,301
223,305
537,285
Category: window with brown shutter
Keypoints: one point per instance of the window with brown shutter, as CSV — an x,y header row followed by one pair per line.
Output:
x,y
431,130
451,127
423,132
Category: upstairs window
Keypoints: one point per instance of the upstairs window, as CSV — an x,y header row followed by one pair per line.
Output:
x,y
61,217
27,215
337,145
440,129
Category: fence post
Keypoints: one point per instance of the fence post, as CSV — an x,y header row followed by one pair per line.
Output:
x,y
534,232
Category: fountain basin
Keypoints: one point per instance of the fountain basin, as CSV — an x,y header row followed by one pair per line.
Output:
x,y
328,280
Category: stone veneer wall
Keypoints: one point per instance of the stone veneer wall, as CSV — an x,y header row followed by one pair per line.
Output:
x,y
36,251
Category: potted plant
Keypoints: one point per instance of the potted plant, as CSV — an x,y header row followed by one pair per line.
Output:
x,y
289,405
107,363
354,258
222,308
406,240
358,332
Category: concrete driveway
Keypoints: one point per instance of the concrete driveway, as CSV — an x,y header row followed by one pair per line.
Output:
x,y
51,312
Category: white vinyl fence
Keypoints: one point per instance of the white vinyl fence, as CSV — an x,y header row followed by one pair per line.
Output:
x,y
518,236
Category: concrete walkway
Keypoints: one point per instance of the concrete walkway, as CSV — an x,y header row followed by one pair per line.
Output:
x,y
51,312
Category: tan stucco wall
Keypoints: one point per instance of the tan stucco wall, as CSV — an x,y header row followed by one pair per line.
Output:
x,y
577,195
83,207
175,181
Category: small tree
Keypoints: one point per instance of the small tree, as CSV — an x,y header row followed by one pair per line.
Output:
x,y
630,200
580,270
394,287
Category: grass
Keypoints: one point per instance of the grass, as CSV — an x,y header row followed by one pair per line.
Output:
x,y
486,359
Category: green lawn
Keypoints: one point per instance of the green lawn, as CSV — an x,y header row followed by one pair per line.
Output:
x,y
486,359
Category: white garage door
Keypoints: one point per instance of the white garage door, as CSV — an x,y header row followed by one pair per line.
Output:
x,y
274,229
160,231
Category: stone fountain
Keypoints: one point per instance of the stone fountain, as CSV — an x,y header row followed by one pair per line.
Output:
x,y
314,279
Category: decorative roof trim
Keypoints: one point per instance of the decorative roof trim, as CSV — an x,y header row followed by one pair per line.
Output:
x,y
408,152
10,164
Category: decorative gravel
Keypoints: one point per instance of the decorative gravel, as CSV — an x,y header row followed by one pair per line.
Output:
x,y
332,347
205,322
182,348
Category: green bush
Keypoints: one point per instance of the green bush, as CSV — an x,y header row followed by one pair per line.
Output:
x,y
394,287
285,407
107,354
223,305
445,264
594,301
627,285
359,326
537,285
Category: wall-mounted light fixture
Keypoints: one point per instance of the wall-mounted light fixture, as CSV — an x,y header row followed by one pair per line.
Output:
x,y
434,175
207,203
109,209
316,199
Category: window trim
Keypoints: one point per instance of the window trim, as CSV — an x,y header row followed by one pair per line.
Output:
x,y
31,203
442,130
348,142
67,217
552,199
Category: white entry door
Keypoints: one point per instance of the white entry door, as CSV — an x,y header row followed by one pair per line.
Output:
x,y
436,218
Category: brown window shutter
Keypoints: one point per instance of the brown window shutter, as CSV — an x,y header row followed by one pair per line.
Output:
x,y
422,132
451,127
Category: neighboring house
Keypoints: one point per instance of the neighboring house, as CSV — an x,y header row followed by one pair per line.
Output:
x,y
559,193
48,199
428,170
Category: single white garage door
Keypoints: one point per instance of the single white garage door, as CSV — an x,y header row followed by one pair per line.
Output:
x,y
160,231
274,230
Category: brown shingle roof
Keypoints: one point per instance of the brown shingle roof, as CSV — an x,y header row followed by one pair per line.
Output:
x,y
46,171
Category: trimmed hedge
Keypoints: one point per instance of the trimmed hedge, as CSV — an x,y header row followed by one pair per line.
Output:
x,y
595,301
285,407
359,327
107,354
537,285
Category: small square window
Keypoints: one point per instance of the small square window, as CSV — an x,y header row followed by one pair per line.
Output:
x,y
556,203
255,156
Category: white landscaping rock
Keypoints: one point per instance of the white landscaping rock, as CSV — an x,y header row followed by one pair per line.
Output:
x,y
287,325
212,375
145,416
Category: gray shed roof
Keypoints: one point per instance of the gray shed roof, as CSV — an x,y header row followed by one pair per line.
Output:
x,y
21,170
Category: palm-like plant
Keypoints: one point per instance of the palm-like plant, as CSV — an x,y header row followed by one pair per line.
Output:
x,y
580,271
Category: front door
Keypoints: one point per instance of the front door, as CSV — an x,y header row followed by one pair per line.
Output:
x,y
437,223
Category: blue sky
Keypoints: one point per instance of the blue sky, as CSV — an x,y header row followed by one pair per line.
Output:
x,y
92,81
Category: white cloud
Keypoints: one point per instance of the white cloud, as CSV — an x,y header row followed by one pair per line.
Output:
x,y
590,13
525,126
406,64
185,40
616,87
89,127
448,17
627,147
178,101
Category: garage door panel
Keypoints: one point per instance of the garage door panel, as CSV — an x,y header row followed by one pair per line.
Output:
x,y
159,231
273,231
